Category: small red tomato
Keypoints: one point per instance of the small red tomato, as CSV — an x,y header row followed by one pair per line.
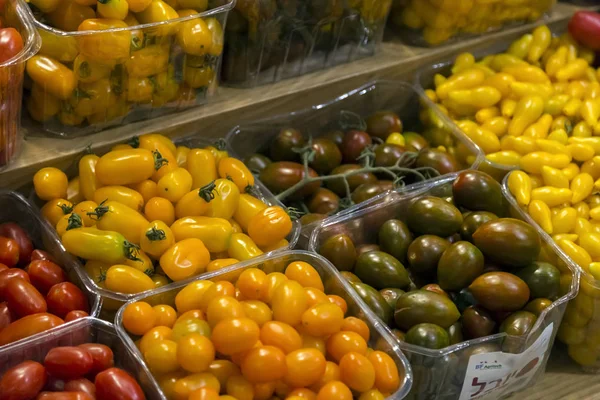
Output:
x,y
75,314
23,381
81,385
11,43
64,396
101,354
16,233
116,384
9,274
27,326
45,274
68,362
9,252
23,298
54,384
42,255
3,267
65,297
6,317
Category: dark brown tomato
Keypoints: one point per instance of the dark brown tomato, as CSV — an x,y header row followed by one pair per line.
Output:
x,y
340,250
15,232
23,381
477,322
387,154
114,383
311,217
324,201
282,175
68,362
66,297
282,146
102,356
414,141
336,137
441,161
8,274
386,185
9,251
365,248
383,123
81,385
23,298
435,288
257,162
45,274
367,191
41,255
474,220
353,144
354,180
327,156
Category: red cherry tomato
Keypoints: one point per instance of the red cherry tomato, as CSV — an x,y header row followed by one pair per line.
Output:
x,y
8,274
68,362
6,317
42,255
101,354
9,252
44,274
116,384
3,267
81,385
11,43
22,382
64,396
27,326
65,297
15,232
23,298
54,384
75,314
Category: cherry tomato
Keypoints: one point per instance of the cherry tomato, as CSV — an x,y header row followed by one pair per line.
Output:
x,y
165,315
75,314
332,373
9,252
264,364
27,326
195,352
251,283
64,396
356,325
334,390
23,381
8,274
232,336
289,302
223,370
45,274
282,335
204,394
68,362
322,320
139,318
161,357
81,385
41,255
3,267
269,226
357,372
6,317
114,383
387,379
186,385
101,354
15,232
338,301
23,298
222,308
66,297
11,43
341,343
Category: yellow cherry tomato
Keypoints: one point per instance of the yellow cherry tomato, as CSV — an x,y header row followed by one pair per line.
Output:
x,y
215,233
74,194
218,38
181,154
221,263
190,296
236,170
193,35
202,166
248,207
125,167
55,209
67,223
142,263
175,184
305,274
519,184
226,199
148,61
56,79
185,259
146,188
108,47
158,208
322,320
121,194
269,226
126,279
50,183
88,181
114,216
112,9
156,239
242,247
289,303
195,202
159,11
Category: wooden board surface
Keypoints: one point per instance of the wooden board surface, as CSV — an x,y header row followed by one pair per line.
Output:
x,y
234,106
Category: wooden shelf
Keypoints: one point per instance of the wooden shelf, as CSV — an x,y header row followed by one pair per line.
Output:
x,y
234,106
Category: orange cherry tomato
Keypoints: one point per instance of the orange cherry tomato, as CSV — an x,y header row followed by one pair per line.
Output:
x,y
223,370
257,311
289,302
269,226
160,209
195,352
154,335
357,372
334,390
165,315
322,320
315,296
338,301
264,364
343,342
282,335
305,274
139,318
387,378
220,288
357,325
232,336
332,373
304,367
272,282
251,283
223,308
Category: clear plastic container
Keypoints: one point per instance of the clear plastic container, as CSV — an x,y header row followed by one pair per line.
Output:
x,y
440,374
112,77
15,14
425,80
85,330
580,329
380,338
318,120
429,23
268,40
14,208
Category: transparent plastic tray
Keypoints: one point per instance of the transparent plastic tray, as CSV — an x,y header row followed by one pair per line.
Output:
x,y
440,374
85,330
113,300
424,79
15,14
319,119
380,338
583,314
267,41
116,84
14,208
426,23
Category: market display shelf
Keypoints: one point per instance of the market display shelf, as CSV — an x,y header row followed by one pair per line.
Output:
x,y
234,106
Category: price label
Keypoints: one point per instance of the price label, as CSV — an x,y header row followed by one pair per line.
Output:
x,y
491,376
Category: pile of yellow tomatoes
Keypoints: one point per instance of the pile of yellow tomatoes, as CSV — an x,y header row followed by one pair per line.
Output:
x,y
148,213
261,336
